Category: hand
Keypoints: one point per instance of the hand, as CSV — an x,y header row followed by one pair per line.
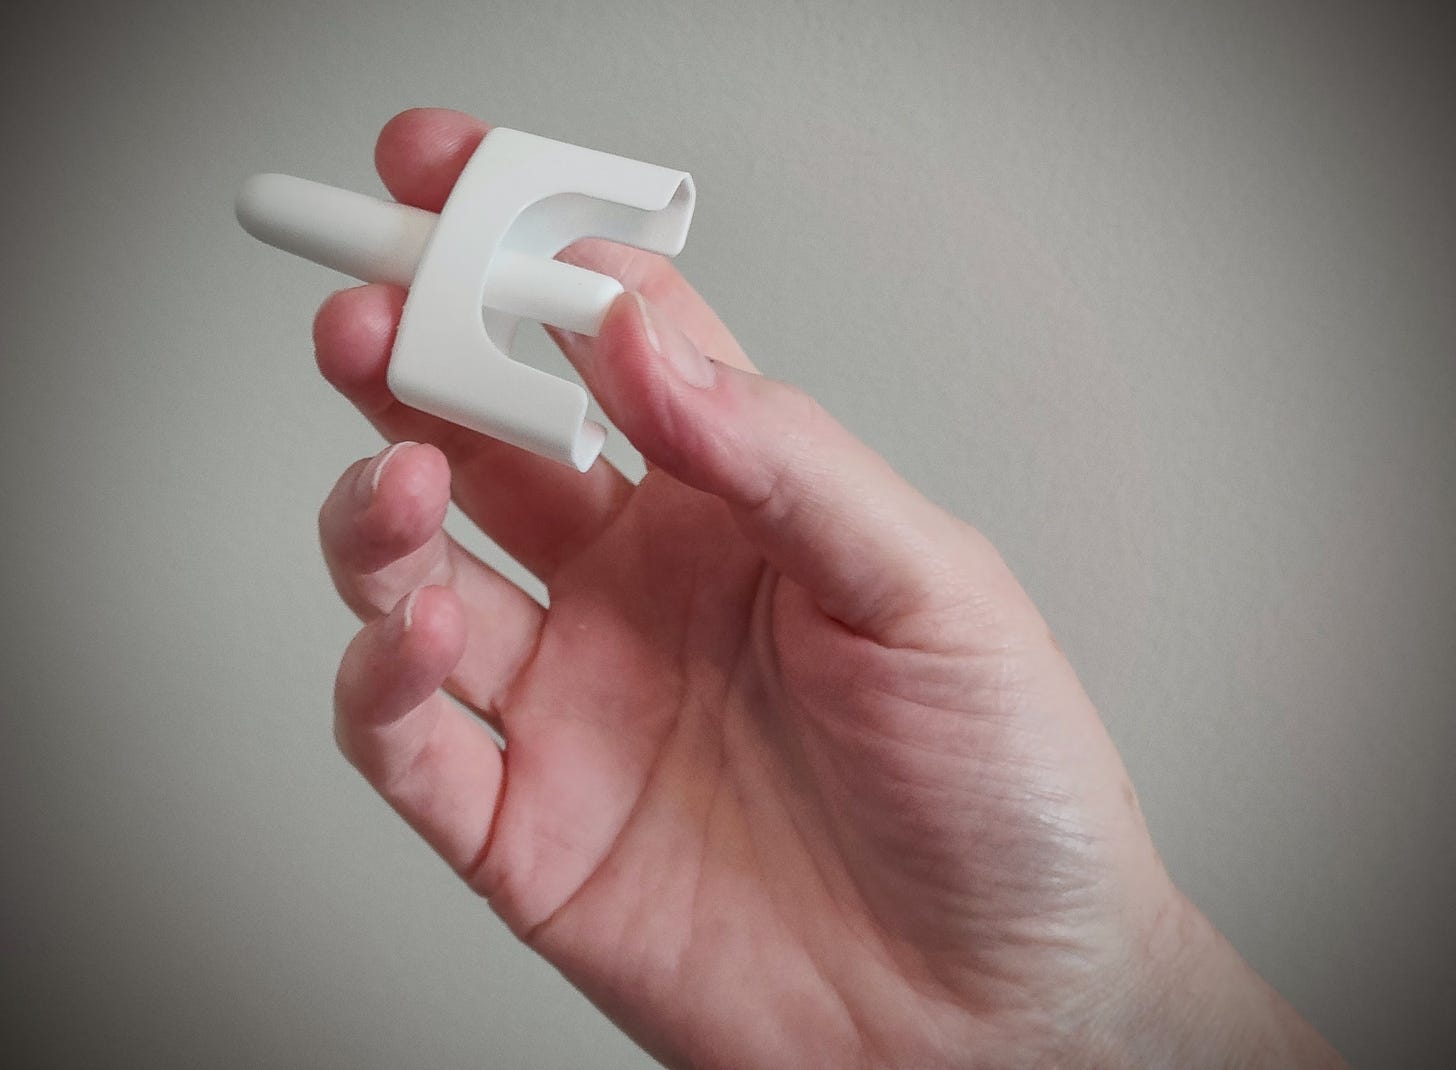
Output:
x,y
794,773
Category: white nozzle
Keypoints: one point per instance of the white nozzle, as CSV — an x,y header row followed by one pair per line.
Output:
x,y
381,241
486,262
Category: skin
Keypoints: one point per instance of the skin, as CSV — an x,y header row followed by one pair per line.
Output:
x,y
794,773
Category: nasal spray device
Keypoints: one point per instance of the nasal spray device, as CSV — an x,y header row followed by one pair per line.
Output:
x,y
481,266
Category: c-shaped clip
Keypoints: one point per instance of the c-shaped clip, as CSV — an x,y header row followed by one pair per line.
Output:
x,y
481,266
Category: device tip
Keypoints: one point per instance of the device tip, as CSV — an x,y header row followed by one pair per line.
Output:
x,y
254,203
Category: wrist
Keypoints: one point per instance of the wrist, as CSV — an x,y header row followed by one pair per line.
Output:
x,y
1191,1001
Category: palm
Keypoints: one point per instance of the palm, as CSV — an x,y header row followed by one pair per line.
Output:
x,y
708,816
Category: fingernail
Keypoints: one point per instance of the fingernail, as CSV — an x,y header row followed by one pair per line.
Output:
x,y
374,470
409,608
691,366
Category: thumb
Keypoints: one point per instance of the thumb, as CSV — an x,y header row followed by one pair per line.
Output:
x,y
823,508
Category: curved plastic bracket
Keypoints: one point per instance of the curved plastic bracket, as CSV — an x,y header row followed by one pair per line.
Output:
x,y
520,200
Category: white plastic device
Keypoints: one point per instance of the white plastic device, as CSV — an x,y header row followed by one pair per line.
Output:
x,y
481,266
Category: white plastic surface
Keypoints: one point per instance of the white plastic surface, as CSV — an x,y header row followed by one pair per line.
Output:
x,y
520,200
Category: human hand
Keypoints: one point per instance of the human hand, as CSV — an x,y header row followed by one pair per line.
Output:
x,y
795,774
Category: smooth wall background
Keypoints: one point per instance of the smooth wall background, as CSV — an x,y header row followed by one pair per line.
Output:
x,y
1161,296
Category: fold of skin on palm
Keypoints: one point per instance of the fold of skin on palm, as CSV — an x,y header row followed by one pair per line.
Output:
x,y
794,773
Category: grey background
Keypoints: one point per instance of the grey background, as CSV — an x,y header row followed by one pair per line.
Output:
x,y
1160,296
